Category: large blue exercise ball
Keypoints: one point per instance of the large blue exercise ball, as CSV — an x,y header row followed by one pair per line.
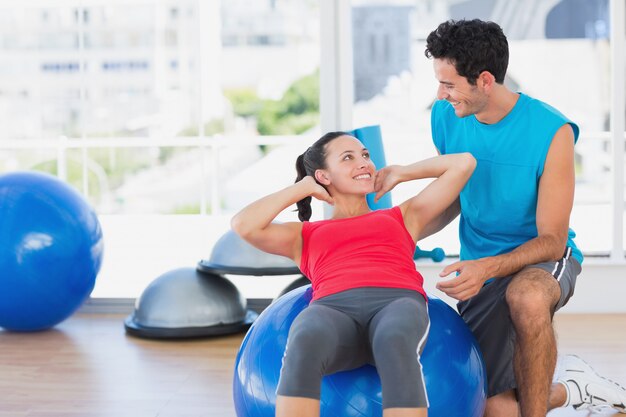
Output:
x,y
453,367
50,251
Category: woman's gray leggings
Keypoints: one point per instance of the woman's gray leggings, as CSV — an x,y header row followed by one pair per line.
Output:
x,y
385,327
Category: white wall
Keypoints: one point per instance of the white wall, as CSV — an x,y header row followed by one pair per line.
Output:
x,y
600,287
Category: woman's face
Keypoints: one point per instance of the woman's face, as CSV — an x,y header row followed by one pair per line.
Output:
x,y
349,168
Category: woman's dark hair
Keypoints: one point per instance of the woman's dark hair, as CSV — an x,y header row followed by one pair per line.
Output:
x,y
472,46
310,161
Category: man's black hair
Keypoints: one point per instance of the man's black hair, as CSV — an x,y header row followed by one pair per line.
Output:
x,y
472,46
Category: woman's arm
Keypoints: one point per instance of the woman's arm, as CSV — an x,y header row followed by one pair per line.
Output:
x,y
451,172
254,222
441,221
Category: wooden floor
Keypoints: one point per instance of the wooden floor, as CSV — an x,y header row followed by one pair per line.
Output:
x,y
87,366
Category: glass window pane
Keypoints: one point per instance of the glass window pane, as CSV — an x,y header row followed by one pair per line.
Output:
x,y
553,47
39,67
140,180
255,73
44,160
158,71
270,66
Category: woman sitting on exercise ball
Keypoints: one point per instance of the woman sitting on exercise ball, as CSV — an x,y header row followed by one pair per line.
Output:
x,y
368,305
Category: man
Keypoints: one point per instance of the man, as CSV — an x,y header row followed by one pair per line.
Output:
x,y
519,262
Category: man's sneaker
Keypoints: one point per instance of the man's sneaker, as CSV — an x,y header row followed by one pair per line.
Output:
x,y
586,390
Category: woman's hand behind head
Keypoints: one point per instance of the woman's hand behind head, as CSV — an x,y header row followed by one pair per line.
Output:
x,y
386,179
315,190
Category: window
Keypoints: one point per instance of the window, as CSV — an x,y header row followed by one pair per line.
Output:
x,y
167,139
559,53
159,124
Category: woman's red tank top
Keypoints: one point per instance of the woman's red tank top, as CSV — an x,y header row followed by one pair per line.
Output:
x,y
371,250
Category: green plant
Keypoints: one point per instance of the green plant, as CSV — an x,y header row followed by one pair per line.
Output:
x,y
296,112
212,127
74,172
187,209
245,102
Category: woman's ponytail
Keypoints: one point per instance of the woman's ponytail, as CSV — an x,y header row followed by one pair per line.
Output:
x,y
303,207
310,161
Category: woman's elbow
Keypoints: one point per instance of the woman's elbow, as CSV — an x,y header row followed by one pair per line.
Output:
x,y
469,160
238,225
467,163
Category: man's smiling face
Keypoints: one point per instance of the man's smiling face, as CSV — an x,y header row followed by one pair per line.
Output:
x,y
466,98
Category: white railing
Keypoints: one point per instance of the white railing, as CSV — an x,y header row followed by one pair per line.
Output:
x,y
595,146
210,146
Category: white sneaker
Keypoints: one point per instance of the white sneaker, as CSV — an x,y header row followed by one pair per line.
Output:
x,y
586,390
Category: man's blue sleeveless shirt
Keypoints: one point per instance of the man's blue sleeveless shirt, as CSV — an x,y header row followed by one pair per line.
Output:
x,y
499,202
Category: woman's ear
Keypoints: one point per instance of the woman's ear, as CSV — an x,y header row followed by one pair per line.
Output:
x,y
322,177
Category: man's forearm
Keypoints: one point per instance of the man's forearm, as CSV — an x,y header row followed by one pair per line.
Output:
x,y
540,249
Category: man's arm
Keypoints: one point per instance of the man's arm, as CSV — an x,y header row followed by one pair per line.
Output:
x,y
554,205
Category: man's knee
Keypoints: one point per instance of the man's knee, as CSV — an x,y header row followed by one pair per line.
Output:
x,y
531,296
502,405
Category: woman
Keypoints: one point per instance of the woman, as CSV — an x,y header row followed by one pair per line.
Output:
x,y
368,303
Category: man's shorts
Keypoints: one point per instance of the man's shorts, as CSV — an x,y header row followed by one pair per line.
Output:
x,y
487,315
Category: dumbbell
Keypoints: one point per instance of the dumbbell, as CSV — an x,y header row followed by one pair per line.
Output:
x,y
437,254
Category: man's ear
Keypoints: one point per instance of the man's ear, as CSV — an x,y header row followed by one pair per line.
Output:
x,y
322,177
486,81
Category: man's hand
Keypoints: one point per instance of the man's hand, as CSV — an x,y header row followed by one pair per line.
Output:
x,y
472,275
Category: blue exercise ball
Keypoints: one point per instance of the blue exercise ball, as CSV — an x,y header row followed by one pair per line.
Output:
x,y
50,251
453,367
